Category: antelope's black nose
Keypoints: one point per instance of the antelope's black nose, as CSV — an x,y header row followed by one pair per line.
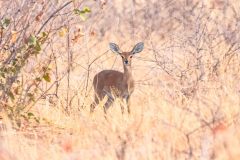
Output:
x,y
126,62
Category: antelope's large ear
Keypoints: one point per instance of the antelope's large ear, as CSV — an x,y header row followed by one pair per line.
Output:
x,y
138,48
114,47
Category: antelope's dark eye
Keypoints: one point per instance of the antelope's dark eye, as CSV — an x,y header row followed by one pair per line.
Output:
x,y
130,56
122,56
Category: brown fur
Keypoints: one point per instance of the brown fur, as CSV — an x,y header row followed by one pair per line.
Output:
x,y
113,84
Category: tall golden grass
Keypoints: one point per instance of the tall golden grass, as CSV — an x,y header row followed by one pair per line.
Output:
x,y
187,96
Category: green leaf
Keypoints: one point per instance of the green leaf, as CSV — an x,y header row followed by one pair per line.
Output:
x,y
32,41
76,11
30,114
37,46
47,77
5,23
86,10
10,94
38,79
43,34
37,119
43,37
82,13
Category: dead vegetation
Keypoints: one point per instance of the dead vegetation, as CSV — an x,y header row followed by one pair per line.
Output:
x,y
186,99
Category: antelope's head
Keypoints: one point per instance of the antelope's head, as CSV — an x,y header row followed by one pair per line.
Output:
x,y
127,56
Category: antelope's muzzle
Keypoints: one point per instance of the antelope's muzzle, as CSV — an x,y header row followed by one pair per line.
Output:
x,y
126,62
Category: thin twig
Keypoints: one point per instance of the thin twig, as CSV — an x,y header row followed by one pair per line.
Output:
x,y
53,14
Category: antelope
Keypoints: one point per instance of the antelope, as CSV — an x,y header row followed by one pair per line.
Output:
x,y
112,83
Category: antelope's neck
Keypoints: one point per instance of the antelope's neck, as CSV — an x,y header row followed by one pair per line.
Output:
x,y
127,73
128,81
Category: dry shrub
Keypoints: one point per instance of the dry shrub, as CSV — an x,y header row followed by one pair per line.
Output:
x,y
186,101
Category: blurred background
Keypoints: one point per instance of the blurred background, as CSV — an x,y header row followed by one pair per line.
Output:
x,y
187,94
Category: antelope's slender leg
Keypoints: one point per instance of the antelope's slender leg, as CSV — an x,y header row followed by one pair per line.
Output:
x,y
93,105
128,104
122,108
123,103
108,104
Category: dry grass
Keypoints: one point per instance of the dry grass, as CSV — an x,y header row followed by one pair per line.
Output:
x,y
187,96
157,129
